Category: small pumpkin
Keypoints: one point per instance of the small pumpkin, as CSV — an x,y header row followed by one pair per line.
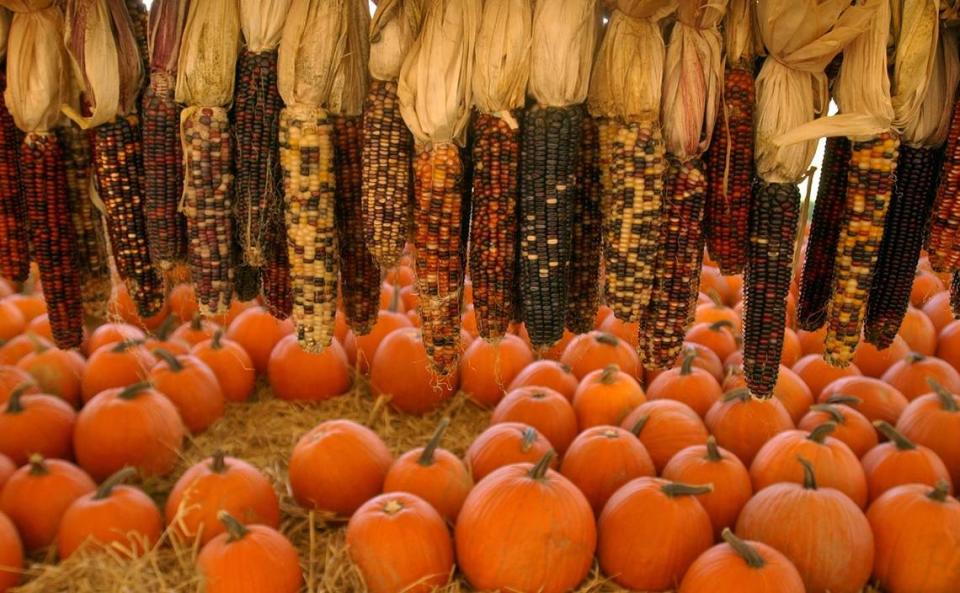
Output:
x,y
161,339
626,331
602,459
736,566
605,397
853,428
505,444
249,558
871,397
13,350
525,528
56,372
231,365
258,332
900,461
114,514
108,333
665,427
719,336
874,362
693,386
402,370
121,305
790,389
704,358
337,466
298,375
597,350
639,545
933,421
11,554
12,378
544,409
487,368
183,302
742,423
938,310
195,331
191,386
36,424
547,373
115,365
918,332
6,469
400,543
911,375
716,311
817,374
387,321
31,305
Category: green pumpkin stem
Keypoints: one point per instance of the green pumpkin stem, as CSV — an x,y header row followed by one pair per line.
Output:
x,y
106,489
132,391
539,471
830,410
166,356
820,433
218,462
743,549
637,428
529,438
426,458
166,328
124,345
38,465
741,393
947,401
713,453
609,374
940,491
686,367
844,399
395,299
235,529
15,403
715,297
809,476
900,440
215,341
607,339
914,357
196,324
674,489
722,324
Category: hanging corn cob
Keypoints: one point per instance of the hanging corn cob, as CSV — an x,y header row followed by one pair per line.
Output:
x,y
387,143
801,37
14,244
275,284
139,18
924,131
955,295
585,265
500,76
206,72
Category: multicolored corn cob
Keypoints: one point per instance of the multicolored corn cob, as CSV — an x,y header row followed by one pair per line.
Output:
x,y
955,295
14,243
275,283
139,17
585,265
942,244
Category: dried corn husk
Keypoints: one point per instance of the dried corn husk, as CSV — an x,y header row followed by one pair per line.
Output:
x,y
393,32
165,32
351,79
312,46
5,17
693,78
562,50
916,27
434,85
502,63
262,23
208,54
18,6
38,78
741,42
931,127
950,12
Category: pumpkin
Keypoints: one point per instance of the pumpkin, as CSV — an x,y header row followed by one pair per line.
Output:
x,y
602,459
938,310
817,374
948,344
487,368
852,427
812,342
790,389
400,543
525,528
220,483
693,386
910,375
640,546
136,426
719,336
31,305
109,333
468,321
873,362
742,423
249,558
11,554
298,375
230,364
542,408
7,468
402,370
714,284
191,386
12,351
401,276
665,427
792,351
933,421
161,339
918,332
337,466
12,321
56,372
115,365
195,331
236,308
503,444
716,311
900,461
554,352
820,530
36,496
605,397
36,424
434,474
598,350
40,326
122,306
547,373
626,331
258,332
704,358
736,566
925,285
710,464
915,528
366,345
871,397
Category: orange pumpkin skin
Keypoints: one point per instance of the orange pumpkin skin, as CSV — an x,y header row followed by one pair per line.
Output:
x,y
250,559
704,358
30,305
710,464
402,370
487,368
57,372
544,409
36,424
36,496
742,423
853,428
258,333
933,421
602,459
6,469
400,543
11,555
790,389
192,387
605,397
900,461
136,426
15,349
11,378
724,569
115,365
217,484
366,345
693,386
597,350
109,333
915,528
919,332
195,331
718,336
938,310
873,362
338,466
817,374
910,375
231,365
639,548
872,397
547,373
505,444
665,427
525,528
298,375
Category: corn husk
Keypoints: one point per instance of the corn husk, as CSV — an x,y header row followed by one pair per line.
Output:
x,y
741,41
435,80
311,48
627,80
693,78
206,69
502,57
950,12
916,27
393,31
38,78
932,124
562,50
262,23
165,32
352,79
5,17
17,6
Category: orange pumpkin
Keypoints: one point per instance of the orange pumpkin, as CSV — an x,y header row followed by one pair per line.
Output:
x,y
938,310
638,528
542,408
792,350
925,285
366,345
15,349
852,427
900,461
56,372
36,424
719,336
556,350
742,423
161,339
817,374
400,543
113,366
230,364
195,331
553,550
910,375
598,350
737,565
12,321
191,386
122,306
6,469
36,496
871,397
948,344
258,332
109,333
503,444
665,427
710,464
605,397
401,276
715,312
628,332
693,386
704,358
487,368
918,332
812,342
236,308
30,305
434,474
602,459
714,284
40,326
298,375
547,373
933,421
337,466
873,362
402,370
11,554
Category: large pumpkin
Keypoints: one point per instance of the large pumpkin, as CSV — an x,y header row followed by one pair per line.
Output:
x,y
231,365
719,336
693,386
547,373
298,375
874,362
114,365
36,424
505,444
900,461
11,555
402,370
258,332
873,398
911,375
191,386
817,374
605,397
738,566
852,427
525,528
400,543
597,350
665,427
602,459
742,423
487,368
544,409
933,421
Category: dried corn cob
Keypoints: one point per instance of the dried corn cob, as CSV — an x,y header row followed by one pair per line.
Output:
x,y
584,299
275,281
945,220
14,244
139,17
955,295
246,279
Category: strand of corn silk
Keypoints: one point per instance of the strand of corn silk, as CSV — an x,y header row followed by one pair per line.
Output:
x,y
14,242
585,266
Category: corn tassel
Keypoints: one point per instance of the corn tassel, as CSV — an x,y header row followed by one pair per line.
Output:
x,y
585,265
14,244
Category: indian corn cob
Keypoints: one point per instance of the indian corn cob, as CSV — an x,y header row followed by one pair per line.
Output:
x,y
955,295
584,291
139,17
941,240
275,283
14,244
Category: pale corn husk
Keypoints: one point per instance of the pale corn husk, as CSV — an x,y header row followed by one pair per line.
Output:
x,y
931,126
916,27
627,80
311,48
801,37
5,17
692,78
38,77
28,5
262,23
741,42
165,32
435,80
352,79
207,66
651,10
393,31
502,57
562,51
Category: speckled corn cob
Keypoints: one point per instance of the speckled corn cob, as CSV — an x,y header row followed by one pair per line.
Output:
x,y
942,245
275,283
584,291
955,295
139,16
14,244
307,161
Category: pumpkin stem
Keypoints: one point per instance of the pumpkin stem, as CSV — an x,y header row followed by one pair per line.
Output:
x,y
235,529
687,366
166,328
609,374
947,401
940,491
393,507
915,357
674,489
196,324
215,341
38,465
15,403
38,346
566,368
741,393
395,299
132,391
607,339
529,438
722,324
894,436
715,297
124,345
426,458
842,398
218,463
539,471
830,410
637,428
743,549
820,433
713,453
106,489
166,356
809,476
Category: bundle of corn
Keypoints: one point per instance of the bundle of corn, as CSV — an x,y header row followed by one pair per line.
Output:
x,y
693,79
37,85
387,143
205,79
625,96
501,70
104,52
435,97
922,104
801,38
562,50
14,245
162,151
729,161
